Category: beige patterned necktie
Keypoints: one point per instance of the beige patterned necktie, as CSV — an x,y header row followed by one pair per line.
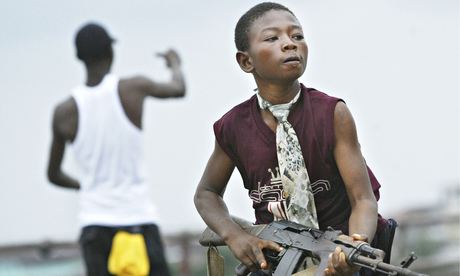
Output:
x,y
294,176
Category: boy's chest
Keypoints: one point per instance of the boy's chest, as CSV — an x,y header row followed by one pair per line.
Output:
x,y
268,119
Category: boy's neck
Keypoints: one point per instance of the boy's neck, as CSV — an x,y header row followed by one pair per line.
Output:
x,y
279,93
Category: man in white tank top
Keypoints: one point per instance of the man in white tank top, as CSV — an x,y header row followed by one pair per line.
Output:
x,y
102,122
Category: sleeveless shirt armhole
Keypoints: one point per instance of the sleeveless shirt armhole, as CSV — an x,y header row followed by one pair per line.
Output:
x,y
374,183
331,111
221,138
78,131
120,108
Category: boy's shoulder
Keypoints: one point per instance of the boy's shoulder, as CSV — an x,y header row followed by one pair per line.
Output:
x,y
317,95
237,118
320,103
241,110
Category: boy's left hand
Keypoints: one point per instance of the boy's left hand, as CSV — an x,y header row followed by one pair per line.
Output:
x,y
337,263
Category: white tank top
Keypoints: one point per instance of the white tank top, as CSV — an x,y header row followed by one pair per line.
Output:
x,y
109,149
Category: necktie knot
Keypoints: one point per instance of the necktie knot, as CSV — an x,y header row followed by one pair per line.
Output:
x,y
280,111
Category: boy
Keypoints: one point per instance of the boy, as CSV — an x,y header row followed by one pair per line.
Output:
x,y
102,121
295,147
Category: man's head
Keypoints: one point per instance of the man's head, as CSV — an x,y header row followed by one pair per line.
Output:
x,y
93,43
271,44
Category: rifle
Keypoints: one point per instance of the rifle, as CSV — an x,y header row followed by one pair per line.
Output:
x,y
300,241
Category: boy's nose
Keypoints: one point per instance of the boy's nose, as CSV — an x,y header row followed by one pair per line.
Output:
x,y
288,44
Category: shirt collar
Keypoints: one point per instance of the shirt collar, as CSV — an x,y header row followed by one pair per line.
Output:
x,y
261,100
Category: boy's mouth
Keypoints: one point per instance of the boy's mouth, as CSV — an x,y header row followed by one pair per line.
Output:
x,y
292,59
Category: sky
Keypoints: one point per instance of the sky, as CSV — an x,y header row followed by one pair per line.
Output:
x,y
394,62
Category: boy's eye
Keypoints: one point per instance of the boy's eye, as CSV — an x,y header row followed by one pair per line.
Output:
x,y
272,38
298,37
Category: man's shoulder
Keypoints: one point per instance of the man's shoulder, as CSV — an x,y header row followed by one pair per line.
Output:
x,y
133,82
65,116
65,108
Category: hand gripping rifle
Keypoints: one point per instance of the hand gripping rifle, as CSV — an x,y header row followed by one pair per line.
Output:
x,y
300,241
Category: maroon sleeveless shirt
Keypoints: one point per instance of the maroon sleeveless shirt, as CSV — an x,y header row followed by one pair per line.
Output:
x,y
251,145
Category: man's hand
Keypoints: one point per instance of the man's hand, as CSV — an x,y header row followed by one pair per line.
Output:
x,y
337,263
171,57
248,249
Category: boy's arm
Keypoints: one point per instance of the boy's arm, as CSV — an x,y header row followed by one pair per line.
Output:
x,y
352,167
173,88
60,136
212,208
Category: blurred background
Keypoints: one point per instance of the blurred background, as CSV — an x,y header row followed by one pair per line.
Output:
x,y
395,63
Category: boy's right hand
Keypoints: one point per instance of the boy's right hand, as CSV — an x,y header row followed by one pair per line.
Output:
x,y
248,249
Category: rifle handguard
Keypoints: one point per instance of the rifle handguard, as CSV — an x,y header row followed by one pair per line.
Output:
x,y
362,246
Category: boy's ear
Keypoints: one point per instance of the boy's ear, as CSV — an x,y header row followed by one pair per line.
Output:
x,y
244,61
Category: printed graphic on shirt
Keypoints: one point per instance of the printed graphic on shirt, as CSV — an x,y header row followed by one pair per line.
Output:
x,y
320,185
274,190
270,192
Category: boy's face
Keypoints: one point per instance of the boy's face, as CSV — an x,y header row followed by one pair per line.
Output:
x,y
277,49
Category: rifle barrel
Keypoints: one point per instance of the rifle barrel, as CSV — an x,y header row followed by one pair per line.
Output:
x,y
379,265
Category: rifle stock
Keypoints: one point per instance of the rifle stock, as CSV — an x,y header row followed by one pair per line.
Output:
x,y
209,237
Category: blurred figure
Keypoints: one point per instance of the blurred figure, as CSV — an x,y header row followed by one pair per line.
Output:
x,y
102,122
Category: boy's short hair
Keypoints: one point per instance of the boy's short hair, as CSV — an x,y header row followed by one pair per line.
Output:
x,y
246,20
93,43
